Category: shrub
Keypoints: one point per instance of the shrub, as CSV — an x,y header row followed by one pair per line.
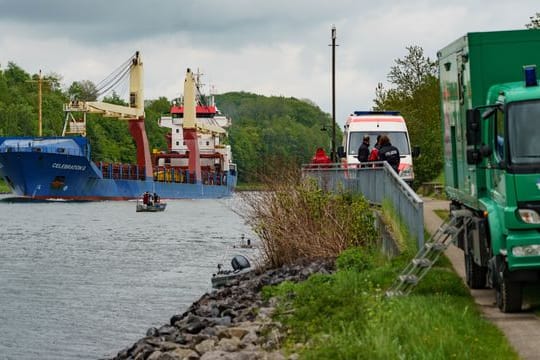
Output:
x,y
296,220
356,258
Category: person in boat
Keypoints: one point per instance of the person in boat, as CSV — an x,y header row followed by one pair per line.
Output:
x,y
146,197
150,200
156,198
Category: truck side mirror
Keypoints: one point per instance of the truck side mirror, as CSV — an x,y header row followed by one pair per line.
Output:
x,y
473,127
474,157
489,112
486,150
415,151
341,151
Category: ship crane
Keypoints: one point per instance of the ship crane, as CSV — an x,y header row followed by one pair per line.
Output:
x,y
193,128
190,125
134,114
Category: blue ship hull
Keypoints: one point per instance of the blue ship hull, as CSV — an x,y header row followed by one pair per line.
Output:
x,y
60,168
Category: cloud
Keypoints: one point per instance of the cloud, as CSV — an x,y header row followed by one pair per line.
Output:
x,y
270,48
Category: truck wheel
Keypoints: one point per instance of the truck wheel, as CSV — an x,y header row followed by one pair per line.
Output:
x,y
509,296
475,275
460,239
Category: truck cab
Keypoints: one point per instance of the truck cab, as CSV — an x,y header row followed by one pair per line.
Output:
x,y
373,124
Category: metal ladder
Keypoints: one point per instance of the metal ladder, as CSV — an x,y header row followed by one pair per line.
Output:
x,y
427,256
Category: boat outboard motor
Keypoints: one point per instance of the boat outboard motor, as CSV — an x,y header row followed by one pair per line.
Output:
x,y
240,262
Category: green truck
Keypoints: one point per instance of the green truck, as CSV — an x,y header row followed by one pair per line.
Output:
x,y
490,112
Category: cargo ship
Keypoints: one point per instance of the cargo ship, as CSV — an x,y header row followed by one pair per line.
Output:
x,y
195,165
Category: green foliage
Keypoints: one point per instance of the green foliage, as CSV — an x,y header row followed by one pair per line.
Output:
x,y
19,103
84,90
3,187
110,138
356,258
534,23
154,110
416,95
398,228
269,131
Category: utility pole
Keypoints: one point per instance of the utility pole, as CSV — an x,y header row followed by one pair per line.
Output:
x,y
334,155
40,122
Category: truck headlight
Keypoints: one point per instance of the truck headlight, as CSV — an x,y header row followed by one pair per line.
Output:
x,y
528,250
529,216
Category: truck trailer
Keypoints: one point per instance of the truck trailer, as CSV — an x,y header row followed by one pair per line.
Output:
x,y
490,113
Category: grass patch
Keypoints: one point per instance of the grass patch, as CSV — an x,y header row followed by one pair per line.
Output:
x,y
347,316
398,228
433,188
440,178
443,214
3,187
250,187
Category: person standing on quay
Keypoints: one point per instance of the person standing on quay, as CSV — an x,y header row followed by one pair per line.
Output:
x,y
389,153
363,150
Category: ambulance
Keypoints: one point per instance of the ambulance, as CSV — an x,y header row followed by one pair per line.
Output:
x,y
374,123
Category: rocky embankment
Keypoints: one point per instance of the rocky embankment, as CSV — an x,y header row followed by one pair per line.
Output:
x,y
233,322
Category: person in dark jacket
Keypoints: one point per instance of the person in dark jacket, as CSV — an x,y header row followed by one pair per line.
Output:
x,y
363,150
389,153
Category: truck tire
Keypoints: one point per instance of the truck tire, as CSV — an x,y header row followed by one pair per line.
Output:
x,y
509,296
475,275
460,238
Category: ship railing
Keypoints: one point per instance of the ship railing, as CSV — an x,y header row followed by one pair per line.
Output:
x,y
118,171
42,149
174,174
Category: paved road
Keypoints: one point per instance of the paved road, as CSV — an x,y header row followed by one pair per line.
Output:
x,y
522,329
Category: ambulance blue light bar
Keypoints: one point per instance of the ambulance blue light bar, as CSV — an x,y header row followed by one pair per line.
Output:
x,y
530,75
360,113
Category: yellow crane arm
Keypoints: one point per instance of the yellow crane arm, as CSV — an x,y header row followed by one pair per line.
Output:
x,y
108,110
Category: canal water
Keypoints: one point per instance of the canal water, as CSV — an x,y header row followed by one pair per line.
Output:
x,y
85,280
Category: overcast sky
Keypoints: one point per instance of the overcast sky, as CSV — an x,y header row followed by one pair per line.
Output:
x,y
267,47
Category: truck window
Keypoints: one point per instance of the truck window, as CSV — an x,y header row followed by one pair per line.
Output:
x,y
524,132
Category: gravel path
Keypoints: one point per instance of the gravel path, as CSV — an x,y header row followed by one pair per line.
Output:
x,y
521,329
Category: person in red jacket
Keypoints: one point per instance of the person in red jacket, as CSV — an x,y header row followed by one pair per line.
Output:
x,y
374,154
320,158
